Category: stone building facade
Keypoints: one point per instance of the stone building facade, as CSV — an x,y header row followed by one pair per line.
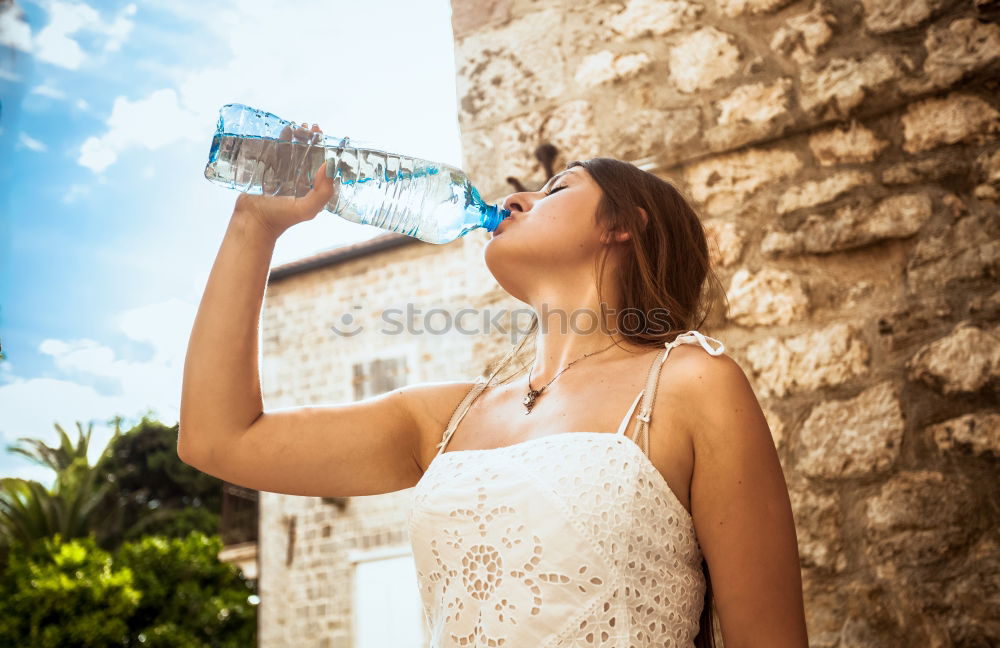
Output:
x,y
845,158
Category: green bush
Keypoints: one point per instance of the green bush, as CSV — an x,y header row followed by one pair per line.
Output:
x,y
65,595
155,592
190,598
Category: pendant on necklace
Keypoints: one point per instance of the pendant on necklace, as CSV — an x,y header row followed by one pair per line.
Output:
x,y
529,399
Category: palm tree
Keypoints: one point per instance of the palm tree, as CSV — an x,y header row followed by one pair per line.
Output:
x,y
29,511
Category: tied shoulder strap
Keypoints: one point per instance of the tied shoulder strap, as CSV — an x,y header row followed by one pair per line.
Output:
x,y
641,435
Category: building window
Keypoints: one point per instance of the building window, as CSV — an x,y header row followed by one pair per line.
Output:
x,y
238,522
374,376
387,606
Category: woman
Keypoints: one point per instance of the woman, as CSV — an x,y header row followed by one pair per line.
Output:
x,y
533,523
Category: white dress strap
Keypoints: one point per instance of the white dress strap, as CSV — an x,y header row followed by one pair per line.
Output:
x,y
641,435
624,423
460,411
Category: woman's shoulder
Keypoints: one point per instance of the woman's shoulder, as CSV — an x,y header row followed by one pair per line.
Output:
x,y
697,372
710,386
431,405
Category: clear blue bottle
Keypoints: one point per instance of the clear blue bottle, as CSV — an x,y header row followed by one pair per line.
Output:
x,y
258,153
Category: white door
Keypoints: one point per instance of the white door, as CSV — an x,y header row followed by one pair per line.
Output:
x,y
387,606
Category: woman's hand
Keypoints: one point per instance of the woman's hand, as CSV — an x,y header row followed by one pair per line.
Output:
x,y
278,213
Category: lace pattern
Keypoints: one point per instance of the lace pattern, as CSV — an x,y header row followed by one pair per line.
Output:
x,y
571,539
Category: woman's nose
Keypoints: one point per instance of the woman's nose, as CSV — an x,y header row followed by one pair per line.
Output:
x,y
520,201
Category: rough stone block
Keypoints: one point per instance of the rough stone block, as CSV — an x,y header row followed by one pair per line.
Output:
x,y
851,227
853,144
978,433
702,58
817,192
855,437
818,528
604,66
960,49
725,242
802,37
958,117
509,69
964,361
884,16
916,519
841,85
825,357
724,182
672,134
966,249
750,112
769,297
654,17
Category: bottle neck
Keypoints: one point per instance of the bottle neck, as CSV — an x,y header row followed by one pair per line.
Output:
x,y
494,214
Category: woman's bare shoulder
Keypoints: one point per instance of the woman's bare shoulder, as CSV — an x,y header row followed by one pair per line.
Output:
x,y
431,404
708,385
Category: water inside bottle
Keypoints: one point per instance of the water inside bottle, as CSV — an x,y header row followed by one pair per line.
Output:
x,y
431,201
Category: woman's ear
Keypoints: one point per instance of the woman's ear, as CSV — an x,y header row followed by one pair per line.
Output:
x,y
620,236
615,236
645,217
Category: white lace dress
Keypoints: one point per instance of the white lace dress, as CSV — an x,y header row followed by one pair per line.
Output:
x,y
571,539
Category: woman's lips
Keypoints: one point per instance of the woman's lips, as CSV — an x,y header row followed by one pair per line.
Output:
x,y
502,223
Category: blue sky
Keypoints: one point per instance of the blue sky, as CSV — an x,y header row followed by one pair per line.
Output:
x,y
108,228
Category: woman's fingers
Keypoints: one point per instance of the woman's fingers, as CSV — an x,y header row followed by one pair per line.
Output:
x,y
303,134
320,194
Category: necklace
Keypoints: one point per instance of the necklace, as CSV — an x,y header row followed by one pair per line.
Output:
x,y
529,398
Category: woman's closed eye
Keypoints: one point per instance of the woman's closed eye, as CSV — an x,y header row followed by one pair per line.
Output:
x,y
555,189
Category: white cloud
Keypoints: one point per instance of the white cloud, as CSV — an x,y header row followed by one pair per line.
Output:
x,y
153,122
75,193
56,42
96,155
14,30
48,91
31,144
119,30
31,406
6,371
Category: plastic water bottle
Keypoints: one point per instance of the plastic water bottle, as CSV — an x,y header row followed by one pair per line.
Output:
x,y
257,152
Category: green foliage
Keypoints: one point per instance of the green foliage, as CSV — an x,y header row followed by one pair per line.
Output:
x,y
139,486
30,512
190,598
155,592
65,594
119,554
153,491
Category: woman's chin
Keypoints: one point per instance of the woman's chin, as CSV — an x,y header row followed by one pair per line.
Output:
x,y
500,259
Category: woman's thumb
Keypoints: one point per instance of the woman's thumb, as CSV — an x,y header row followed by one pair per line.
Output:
x,y
322,190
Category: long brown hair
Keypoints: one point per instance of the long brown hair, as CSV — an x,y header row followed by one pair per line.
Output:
x,y
665,265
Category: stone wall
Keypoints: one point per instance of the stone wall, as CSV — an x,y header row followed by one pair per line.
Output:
x,y
845,157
